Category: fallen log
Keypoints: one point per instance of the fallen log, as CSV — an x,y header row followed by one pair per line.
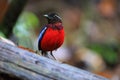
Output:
x,y
29,66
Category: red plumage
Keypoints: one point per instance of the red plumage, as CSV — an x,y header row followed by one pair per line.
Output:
x,y
52,39
52,35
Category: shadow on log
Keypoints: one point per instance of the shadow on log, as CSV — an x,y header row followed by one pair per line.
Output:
x,y
29,66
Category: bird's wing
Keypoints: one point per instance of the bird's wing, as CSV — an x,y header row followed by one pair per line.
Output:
x,y
41,35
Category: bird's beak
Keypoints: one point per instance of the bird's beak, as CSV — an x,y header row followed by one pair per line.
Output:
x,y
45,15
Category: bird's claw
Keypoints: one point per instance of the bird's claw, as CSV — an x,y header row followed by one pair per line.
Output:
x,y
38,52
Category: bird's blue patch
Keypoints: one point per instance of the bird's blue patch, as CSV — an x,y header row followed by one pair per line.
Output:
x,y
40,36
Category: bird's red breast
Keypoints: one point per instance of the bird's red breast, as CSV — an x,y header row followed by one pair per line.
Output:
x,y
52,35
53,38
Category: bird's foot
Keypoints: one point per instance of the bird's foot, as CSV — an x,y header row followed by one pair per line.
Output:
x,y
38,52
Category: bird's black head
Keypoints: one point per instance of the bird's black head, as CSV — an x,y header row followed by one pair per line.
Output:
x,y
53,18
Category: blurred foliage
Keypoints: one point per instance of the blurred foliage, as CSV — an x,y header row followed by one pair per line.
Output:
x,y
24,29
26,22
1,34
10,12
107,51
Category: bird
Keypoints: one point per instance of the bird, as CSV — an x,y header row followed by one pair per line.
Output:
x,y
51,36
